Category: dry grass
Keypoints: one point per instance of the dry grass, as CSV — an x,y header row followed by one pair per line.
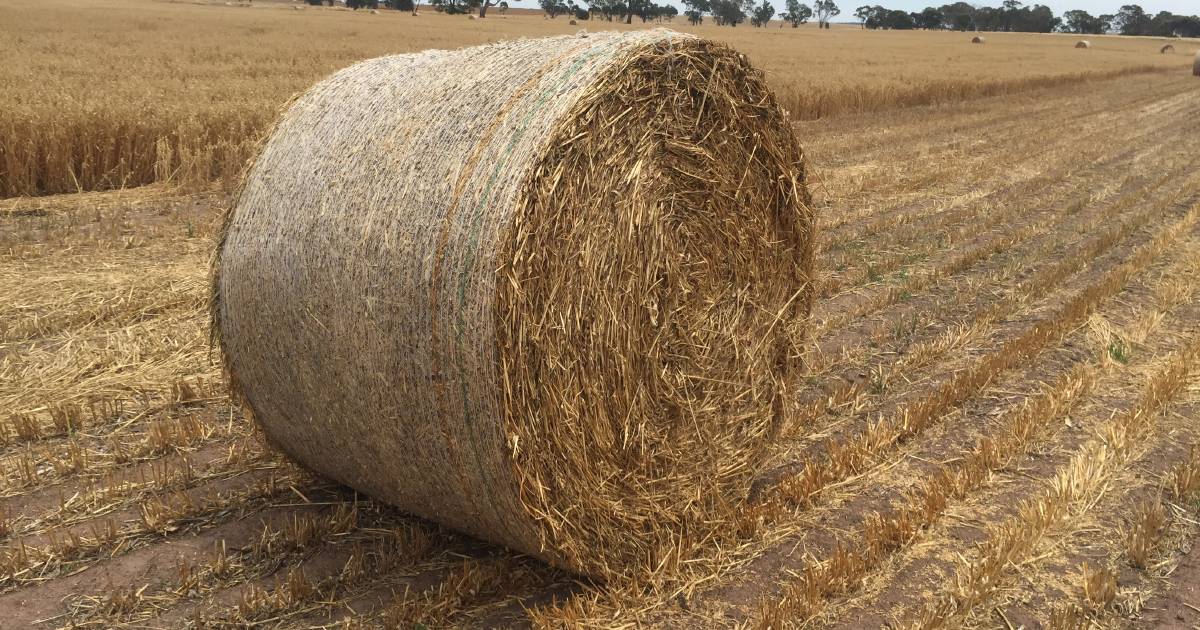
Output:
x,y
1005,352
138,91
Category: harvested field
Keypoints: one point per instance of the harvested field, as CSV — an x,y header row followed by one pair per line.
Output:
x,y
998,425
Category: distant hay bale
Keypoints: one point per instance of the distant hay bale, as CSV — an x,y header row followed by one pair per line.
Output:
x,y
978,40
374,12
1196,65
573,22
1166,49
470,17
562,315
1083,43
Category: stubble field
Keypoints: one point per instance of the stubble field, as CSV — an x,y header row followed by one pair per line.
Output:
x,y
999,426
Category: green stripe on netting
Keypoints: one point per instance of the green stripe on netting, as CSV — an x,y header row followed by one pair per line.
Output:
x,y
474,234
474,229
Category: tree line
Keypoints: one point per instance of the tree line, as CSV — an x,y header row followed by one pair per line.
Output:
x,y
1013,16
1010,16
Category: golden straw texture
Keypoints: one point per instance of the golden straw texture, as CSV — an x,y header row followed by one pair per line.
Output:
x,y
546,292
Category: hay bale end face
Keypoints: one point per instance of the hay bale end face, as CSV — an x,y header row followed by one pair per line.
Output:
x,y
559,315
978,40
1166,49
1083,43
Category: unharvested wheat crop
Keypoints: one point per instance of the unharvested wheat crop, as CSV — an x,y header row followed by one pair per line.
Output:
x,y
136,91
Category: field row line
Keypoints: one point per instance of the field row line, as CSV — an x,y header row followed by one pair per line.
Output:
x,y
1020,430
1074,491
853,456
22,565
1064,154
1038,286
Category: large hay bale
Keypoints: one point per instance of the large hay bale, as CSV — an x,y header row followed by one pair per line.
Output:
x,y
978,40
1166,49
547,292
1083,43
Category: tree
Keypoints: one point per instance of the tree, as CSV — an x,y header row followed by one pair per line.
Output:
x,y
1186,26
553,8
665,12
635,7
1167,24
896,20
647,10
483,6
1036,19
1008,13
890,19
989,19
762,14
578,12
797,13
1132,20
401,5
825,9
1084,23
875,17
929,19
606,8
862,13
451,7
959,16
695,10
728,12
503,6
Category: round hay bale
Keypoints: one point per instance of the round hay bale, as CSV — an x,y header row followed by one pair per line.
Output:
x,y
561,315
978,40
1083,43
573,22
470,17
1166,49
1196,65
